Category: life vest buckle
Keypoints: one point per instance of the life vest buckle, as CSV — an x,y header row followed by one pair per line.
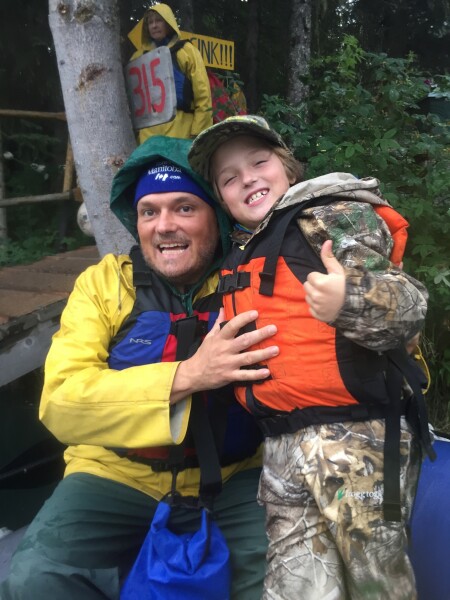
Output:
x,y
233,281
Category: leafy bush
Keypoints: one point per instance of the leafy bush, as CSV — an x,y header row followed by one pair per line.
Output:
x,y
33,163
38,245
366,115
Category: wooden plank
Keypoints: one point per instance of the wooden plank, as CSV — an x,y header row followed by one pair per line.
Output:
x,y
14,329
18,303
33,114
74,266
70,262
24,279
58,197
32,298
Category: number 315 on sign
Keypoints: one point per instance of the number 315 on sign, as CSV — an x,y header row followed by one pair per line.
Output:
x,y
151,88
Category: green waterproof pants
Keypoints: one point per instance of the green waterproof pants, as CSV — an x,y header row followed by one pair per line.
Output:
x,y
85,538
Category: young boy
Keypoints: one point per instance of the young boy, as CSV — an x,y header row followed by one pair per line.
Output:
x,y
336,510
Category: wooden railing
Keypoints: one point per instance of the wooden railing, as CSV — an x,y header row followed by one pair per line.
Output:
x,y
68,192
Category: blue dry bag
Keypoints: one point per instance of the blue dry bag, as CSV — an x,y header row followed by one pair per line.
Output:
x,y
191,566
430,526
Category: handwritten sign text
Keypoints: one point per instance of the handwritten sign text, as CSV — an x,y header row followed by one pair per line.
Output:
x,y
151,88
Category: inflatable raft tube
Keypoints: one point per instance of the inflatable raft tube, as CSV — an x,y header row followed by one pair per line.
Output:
x,y
430,526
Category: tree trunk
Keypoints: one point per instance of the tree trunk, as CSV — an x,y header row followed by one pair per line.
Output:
x,y
86,37
3,222
300,49
251,54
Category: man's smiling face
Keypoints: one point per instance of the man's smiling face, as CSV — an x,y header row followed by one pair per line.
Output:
x,y
178,233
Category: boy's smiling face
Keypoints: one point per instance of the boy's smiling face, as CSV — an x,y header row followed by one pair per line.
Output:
x,y
250,178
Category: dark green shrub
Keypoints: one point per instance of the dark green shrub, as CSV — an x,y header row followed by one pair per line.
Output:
x,y
365,115
33,159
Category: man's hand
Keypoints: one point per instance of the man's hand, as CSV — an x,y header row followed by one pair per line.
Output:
x,y
325,294
221,355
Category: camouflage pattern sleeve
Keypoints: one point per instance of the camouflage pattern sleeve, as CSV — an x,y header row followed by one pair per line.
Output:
x,y
384,307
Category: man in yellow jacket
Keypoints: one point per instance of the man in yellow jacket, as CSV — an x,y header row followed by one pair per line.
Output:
x,y
117,393
194,108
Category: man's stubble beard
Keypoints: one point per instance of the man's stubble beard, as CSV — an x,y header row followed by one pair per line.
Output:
x,y
193,275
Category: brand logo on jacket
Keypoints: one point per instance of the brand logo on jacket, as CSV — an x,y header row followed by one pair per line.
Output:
x,y
360,495
140,341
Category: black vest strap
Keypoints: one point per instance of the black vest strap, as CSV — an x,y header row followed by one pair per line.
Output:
x,y
391,467
402,366
140,268
205,446
267,276
277,234
416,410
290,422
185,96
188,341
184,331
199,424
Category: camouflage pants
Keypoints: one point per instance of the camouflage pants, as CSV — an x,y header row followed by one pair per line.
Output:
x,y
322,489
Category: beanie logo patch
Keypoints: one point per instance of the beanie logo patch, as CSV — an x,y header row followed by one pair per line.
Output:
x,y
164,168
165,177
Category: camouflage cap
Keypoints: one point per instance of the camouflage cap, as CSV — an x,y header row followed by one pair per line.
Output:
x,y
209,140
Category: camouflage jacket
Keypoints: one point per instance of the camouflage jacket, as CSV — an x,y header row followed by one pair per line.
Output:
x,y
384,307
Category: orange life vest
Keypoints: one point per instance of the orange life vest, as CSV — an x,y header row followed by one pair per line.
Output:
x,y
317,366
319,375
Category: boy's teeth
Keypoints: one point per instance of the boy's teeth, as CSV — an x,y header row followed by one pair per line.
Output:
x,y
256,196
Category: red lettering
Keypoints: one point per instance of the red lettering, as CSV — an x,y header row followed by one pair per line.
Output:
x,y
138,91
147,90
157,82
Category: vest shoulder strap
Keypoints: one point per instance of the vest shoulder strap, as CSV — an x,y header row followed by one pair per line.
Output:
x,y
189,336
178,45
396,223
277,236
183,86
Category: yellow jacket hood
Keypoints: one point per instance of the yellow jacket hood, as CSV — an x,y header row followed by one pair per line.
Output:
x,y
166,13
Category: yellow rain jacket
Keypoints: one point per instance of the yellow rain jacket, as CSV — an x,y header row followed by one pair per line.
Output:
x,y
184,125
84,400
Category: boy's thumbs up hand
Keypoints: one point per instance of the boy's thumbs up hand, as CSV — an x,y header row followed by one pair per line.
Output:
x,y
331,264
325,294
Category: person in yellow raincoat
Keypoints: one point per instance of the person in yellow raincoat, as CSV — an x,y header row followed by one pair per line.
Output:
x,y
160,29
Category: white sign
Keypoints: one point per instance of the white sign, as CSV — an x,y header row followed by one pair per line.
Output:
x,y
151,88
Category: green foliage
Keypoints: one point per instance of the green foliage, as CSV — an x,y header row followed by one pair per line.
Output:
x,y
33,165
37,246
394,27
366,115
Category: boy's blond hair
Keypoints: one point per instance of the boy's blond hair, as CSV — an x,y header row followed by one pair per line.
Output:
x,y
293,168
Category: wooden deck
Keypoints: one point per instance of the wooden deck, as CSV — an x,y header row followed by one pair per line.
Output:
x,y
32,298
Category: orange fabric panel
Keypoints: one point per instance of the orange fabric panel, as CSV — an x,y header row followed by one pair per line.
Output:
x,y
306,372
397,226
